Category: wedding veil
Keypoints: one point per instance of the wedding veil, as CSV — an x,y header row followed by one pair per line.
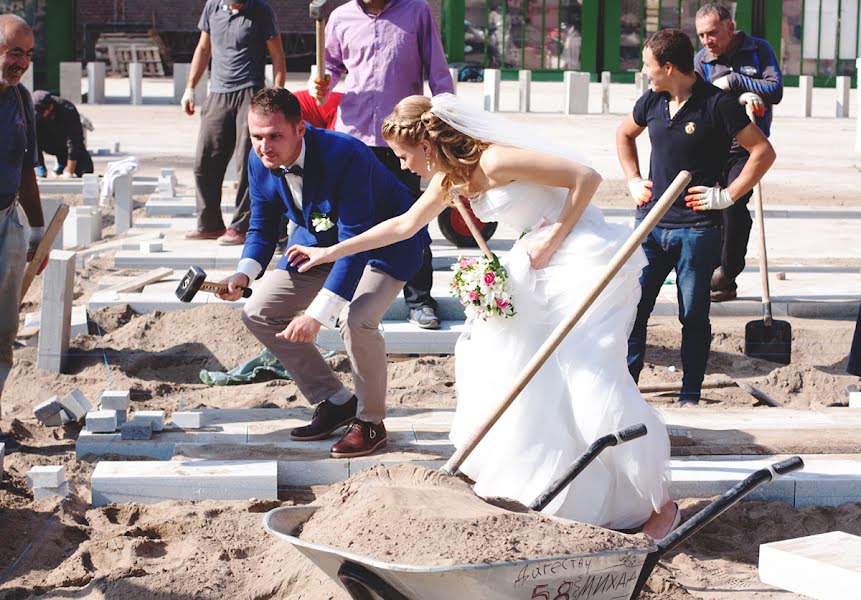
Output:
x,y
494,128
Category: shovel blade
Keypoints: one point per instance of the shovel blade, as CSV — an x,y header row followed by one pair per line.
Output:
x,y
773,343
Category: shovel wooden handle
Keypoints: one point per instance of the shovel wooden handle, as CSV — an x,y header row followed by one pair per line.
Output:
x,y
321,55
476,234
763,258
44,248
620,258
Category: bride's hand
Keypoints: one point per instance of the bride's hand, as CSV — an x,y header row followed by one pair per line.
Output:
x,y
541,253
306,257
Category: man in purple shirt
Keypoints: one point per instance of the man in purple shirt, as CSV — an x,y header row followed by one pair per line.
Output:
x,y
385,50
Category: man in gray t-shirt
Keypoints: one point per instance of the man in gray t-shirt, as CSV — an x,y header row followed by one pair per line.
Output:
x,y
236,38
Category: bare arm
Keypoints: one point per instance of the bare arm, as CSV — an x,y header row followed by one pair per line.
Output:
x,y
762,156
200,60
428,206
626,147
279,63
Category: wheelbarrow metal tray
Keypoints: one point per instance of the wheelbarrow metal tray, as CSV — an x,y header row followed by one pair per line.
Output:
x,y
607,575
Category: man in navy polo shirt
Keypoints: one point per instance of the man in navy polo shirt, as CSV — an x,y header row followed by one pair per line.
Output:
x,y
691,126
745,67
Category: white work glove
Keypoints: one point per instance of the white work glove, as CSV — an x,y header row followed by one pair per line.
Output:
x,y
722,82
319,89
752,103
36,235
187,102
701,197
640,190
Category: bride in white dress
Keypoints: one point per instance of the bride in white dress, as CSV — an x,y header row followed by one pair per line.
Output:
x,y
584,391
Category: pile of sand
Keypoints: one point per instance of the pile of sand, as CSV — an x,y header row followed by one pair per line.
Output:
x,y
414,515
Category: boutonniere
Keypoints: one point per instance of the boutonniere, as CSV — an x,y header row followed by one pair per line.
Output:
x,y
321,222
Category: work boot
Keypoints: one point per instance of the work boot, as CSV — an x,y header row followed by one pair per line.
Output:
x,y
327,418
361,439
723,295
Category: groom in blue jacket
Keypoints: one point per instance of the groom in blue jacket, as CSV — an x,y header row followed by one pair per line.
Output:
x,y
333,187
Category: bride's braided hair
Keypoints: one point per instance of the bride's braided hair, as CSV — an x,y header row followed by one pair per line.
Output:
x,y
456,154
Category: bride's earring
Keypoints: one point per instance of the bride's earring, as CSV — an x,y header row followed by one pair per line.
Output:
x,y
428,164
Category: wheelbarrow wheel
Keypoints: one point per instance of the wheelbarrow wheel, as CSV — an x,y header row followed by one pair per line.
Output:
x,y
454,228
360,582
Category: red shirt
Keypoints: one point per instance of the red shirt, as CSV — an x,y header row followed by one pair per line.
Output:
x,y
324,116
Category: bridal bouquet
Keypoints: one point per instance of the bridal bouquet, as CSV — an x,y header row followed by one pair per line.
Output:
x,y
482,287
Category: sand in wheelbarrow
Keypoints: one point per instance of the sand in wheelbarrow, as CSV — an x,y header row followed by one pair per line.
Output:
x,y
413,515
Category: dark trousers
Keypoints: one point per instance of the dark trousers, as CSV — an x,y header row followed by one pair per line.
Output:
x,y
691,253
85,163
736,226
853,367
417,291
223,131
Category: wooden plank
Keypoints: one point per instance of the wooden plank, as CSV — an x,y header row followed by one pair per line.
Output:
x,y
136,284
44,247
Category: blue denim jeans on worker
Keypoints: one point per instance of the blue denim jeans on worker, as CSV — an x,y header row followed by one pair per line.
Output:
x,y
13,259
694,254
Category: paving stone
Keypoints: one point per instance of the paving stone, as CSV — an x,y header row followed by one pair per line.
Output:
x,y
47,409
150,247
149,482
76,404
43,493
854,399
154,417
102,421
825,566
187,420
142,430
46,476
115,400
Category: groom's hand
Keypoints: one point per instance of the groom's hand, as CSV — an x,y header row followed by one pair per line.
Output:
x,y
302,329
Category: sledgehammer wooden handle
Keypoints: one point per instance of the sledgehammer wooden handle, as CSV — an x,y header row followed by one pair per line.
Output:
x,y
221,288
620,258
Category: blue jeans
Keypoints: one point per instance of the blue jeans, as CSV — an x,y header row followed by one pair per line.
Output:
x,y
694,254
13,259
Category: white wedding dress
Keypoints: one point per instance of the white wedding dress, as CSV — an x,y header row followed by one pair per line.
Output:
x,y
583,391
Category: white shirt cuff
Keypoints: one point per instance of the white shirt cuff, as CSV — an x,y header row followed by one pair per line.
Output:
x,y
326,308
249,267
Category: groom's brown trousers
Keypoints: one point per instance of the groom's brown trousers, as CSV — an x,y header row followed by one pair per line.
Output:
x,y
283,295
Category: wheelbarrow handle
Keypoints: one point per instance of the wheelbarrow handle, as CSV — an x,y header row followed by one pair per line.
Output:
x,y
711,512
583,461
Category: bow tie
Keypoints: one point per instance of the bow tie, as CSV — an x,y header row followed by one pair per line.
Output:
x,y
282,171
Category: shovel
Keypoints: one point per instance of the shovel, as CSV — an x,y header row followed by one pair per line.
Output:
x,y
768,339
620,258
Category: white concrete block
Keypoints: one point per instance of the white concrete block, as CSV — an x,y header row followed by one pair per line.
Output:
x,y
115,400
605,92
155,417
641,84
805,85
43,493
70,81
825,566
49,209
492,78
844,86
95,82
76,405
123,203
151,246
268,75
524,81
854,399
78,227
136,83
166,187
454,77
149,482
576,97
187,420
102,421
79,325
58,282
90,189
46,476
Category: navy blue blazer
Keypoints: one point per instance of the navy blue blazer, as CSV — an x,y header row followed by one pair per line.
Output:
x,y
344,181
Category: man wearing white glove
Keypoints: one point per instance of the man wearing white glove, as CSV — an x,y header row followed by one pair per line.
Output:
x,y
746,68
18,157
236,37
691,127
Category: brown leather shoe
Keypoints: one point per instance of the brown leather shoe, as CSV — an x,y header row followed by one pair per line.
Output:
x,y
204,235
327,418
232,237
361,439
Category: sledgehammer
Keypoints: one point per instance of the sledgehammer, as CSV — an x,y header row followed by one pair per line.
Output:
x,y
319,10
195,281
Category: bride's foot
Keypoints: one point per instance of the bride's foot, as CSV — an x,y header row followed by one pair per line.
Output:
x,y
660,524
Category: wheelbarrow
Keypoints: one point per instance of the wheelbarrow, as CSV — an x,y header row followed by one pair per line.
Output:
x,y
607,575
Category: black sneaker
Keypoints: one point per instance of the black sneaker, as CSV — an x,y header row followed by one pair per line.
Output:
x,y
424,317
